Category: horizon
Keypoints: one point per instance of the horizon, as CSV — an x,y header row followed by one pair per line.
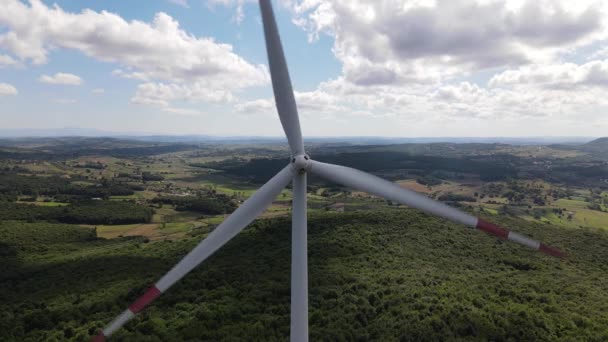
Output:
x,y
73,132
100,133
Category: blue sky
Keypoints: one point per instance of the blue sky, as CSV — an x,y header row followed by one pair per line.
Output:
x,y
376,68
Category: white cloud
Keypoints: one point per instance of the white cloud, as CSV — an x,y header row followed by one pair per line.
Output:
x,y
392,42
444,104
157,51
7,90
555,76
132,75
600,54
420,61
239,14
162,94
308,102
403,61
7,61
183,3
255,106
61,78
183,111
98,91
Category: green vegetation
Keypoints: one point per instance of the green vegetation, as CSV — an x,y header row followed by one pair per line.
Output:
x,y
489,169
148,176
209,205
90,212
450,197
429,180
385,275
89,224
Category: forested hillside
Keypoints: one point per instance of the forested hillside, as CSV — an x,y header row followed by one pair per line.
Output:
x,y
374,275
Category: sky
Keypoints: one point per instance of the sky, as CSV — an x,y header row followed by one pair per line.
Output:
x,y
399,68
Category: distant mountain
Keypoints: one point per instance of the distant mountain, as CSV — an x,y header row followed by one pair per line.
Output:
x,y
62,132
245,140
363,140
600,142
598,147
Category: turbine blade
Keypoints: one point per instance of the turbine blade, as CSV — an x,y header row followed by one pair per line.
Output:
x,y
238,220
382,188
299,262
281,83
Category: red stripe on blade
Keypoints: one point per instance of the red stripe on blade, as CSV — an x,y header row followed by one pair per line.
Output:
x,y
144,300
551,251
99,338
491,228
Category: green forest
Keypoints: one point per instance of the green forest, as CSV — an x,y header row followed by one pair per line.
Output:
x,y
385,276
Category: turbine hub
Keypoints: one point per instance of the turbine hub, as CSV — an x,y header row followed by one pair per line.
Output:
x,y
301,163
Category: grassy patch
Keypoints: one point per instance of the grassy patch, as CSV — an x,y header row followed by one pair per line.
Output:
x,y
175,227
46,204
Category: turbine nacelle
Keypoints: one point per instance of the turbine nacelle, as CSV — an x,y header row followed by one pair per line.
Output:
x,y
301,163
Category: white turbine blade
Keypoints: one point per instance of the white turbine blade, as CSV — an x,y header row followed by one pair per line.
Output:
x,y
299,261
239,219
382,188
281,84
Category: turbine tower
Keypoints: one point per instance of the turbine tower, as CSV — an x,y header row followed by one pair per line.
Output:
x,y
296,172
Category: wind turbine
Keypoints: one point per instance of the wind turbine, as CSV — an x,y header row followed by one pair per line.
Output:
x,y
296,172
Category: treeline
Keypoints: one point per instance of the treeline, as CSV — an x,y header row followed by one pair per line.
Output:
x,y
60,188
24,234
489,168
149,176
223,164
600,171
90,165
428,180
68,148
72,192
214,205
88,212
11,183
452,197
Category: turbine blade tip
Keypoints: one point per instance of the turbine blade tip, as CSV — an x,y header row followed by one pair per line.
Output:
x,y
493,229
556,252
145,299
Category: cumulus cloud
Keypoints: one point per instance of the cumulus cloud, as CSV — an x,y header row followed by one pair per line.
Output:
x,y
239,14
7,61
600,54
414,60
7,90
420,60
390,41
183,3
308,102
556,76
157,51
162,94
182,111
61,78
255,106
